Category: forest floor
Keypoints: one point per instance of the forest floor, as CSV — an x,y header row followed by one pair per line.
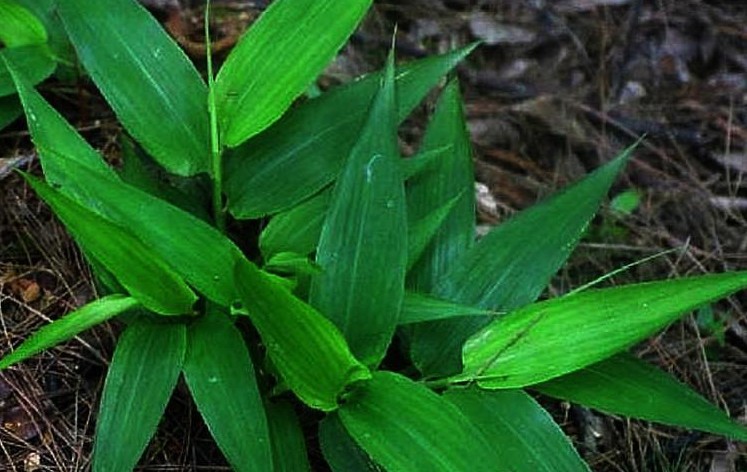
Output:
x,y
556,89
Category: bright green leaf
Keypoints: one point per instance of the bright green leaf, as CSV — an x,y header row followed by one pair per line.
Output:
x,y
306,348
20,26
298,229
528,437
407,428
510,266
627,386
277,59
141,378
287,438
220,376
70,325
150,83
136,266
551,338
304,151
340,451
363,249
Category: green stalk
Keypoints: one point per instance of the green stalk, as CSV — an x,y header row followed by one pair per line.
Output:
x,y
215,147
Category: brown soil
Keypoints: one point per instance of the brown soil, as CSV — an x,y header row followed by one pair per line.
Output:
x,y
556,89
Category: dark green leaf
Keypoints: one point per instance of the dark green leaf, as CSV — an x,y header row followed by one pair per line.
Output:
x,y
298,229
178,237
339,449
551,338
150,83
34,62
220,376
417,308
70,325
405,427
291,263
277,59
136,266
510,266
10,110
627,386
288,443
305,150
363,249
421,233
528,437
448,178
141,378
306,348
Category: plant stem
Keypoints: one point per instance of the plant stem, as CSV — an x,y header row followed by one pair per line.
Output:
x,y
215,147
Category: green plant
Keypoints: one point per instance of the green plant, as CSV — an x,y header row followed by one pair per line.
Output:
x,y
361,247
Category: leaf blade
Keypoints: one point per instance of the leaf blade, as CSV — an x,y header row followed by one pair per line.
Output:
x,y
148,358
150,83
220,376
533,344
627,386
252,79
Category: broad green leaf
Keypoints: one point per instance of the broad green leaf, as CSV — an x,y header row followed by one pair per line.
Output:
x,y
10,110
277,59
418,308
136,266
298,229
291,263
407,428
220,376
306,348
33,61
20,26
70,325
150,83
551,338
449,177
178,237
362,251
627,386
288,443
510,266
340,451
141,378
528,437
304,151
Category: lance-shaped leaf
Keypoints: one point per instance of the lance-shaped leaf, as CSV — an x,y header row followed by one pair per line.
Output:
x,y
288,444
363,249
528,437
70,325
136,266
33,61
305,347
418,308
551,338
627,386
220,376
150,83
177,236
20,26
340,451
510,266
404,426
141,378
449,177
277,59
304,151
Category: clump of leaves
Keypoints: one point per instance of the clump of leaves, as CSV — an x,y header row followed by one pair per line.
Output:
x,y
362,247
